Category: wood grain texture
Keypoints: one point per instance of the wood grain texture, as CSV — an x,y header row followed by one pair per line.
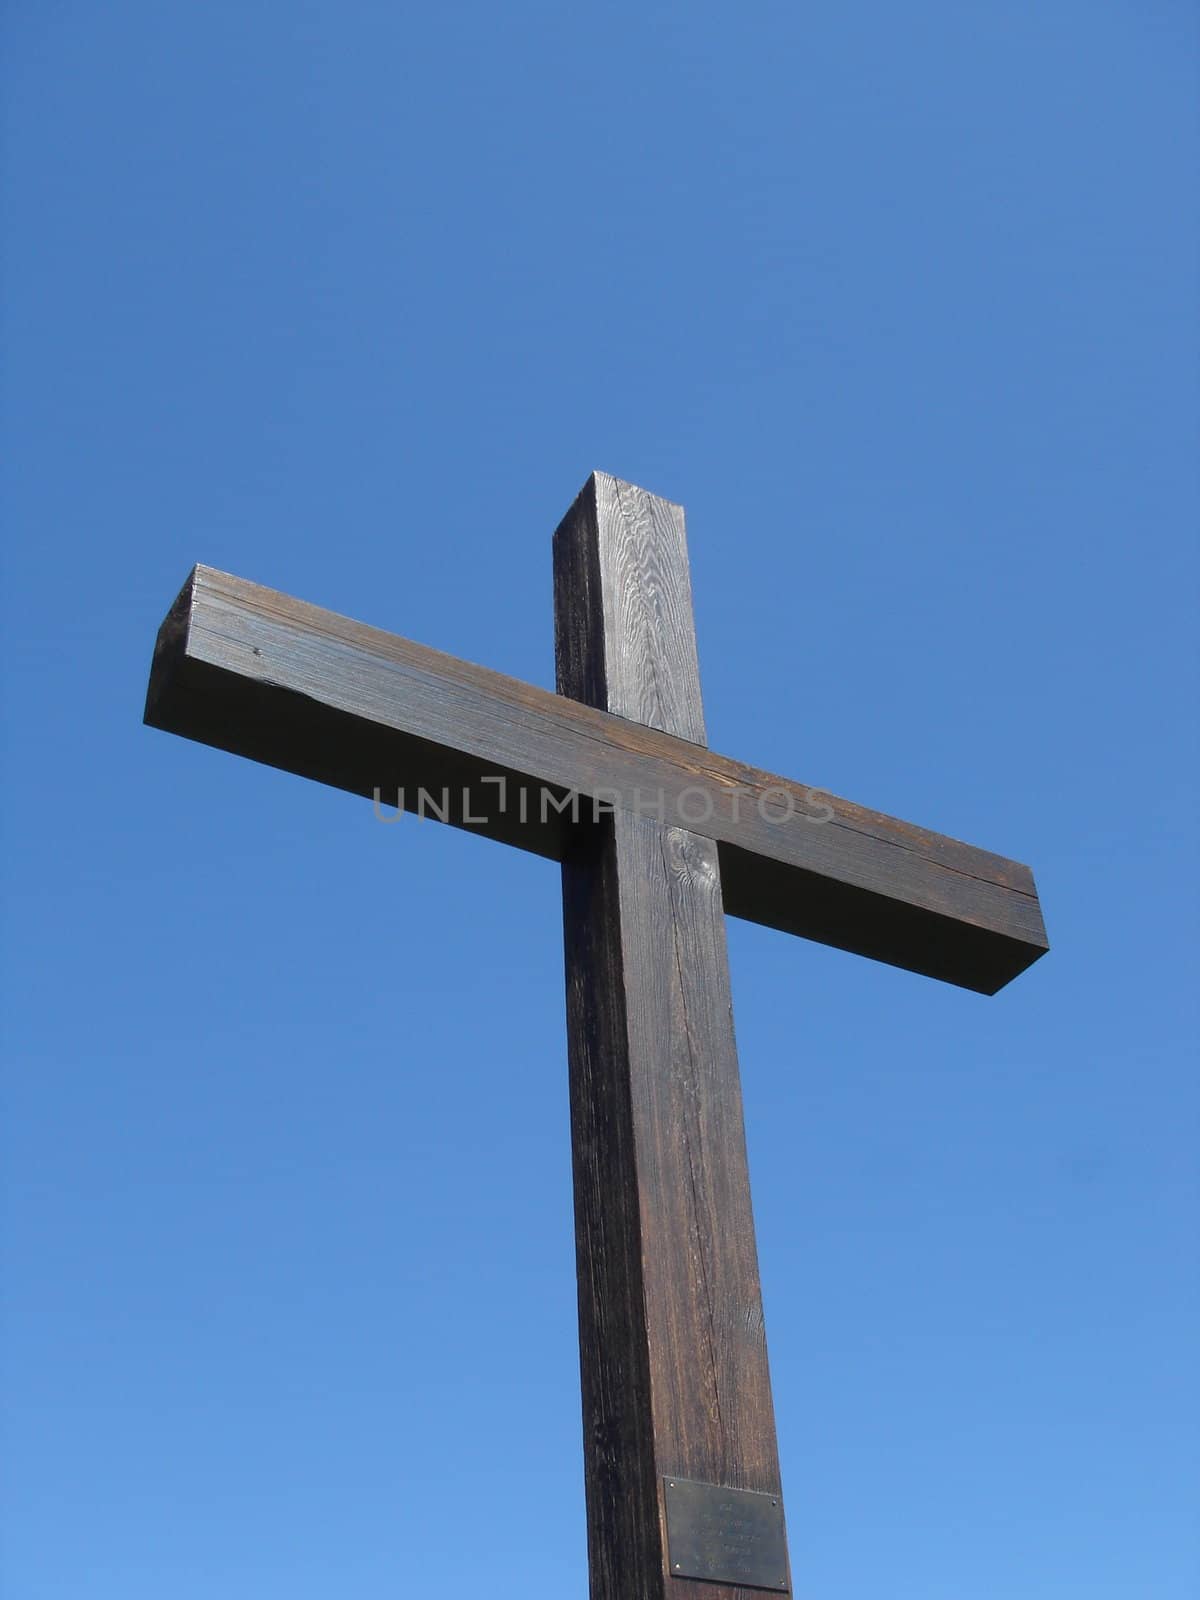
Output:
x,y
672,1348
625,553
253,671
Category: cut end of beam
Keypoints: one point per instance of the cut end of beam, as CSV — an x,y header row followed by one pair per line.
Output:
x,y
169,646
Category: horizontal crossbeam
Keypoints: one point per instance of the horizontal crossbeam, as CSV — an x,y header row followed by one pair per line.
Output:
x,y
260,674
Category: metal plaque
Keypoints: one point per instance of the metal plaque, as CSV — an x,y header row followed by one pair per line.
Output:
x,y
731,1536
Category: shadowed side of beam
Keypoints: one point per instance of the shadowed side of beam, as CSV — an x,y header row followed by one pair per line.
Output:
x,y
257,673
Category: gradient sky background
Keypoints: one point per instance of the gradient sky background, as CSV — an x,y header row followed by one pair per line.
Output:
x,y
349,299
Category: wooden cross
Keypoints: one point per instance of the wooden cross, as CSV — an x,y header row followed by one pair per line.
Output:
x,y
657,837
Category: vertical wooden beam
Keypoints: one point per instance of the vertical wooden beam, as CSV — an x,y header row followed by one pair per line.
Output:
x,y
673,1356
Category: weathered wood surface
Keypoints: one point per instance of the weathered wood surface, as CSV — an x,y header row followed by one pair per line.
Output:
x,y
672,1349
624,636
255,672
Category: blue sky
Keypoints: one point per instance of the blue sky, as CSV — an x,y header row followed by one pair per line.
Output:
x,y
900,302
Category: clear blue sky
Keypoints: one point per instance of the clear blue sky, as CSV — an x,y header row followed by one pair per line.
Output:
x,y
349,299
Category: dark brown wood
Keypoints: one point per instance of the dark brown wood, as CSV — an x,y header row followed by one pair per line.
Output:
x,y
673,1352
624,637
658,838
255,672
